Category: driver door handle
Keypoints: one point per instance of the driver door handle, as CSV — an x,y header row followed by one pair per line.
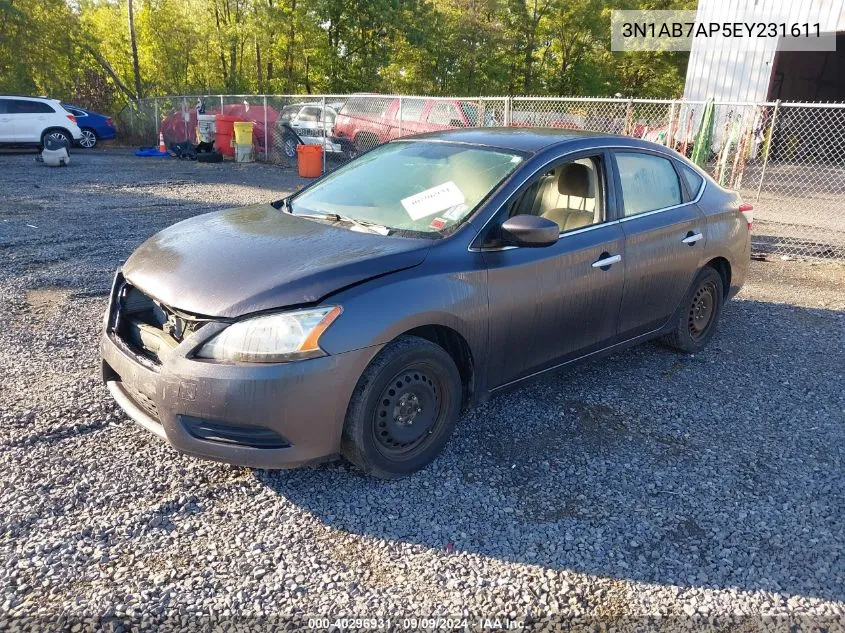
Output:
x,y
692,238
607,261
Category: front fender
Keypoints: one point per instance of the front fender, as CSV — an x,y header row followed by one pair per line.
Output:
x,y
378,311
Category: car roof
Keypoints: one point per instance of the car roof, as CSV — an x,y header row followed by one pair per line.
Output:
x,y
29,98
522,139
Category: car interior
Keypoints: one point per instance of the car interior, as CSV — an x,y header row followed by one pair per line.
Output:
x,y
569,195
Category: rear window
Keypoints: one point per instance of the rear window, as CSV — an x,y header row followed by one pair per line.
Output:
x,y
22,106
693,180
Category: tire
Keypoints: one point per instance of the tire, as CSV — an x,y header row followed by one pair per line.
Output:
x,y
403,410
57,134
289,147
89,138
211,157
699,313
348,150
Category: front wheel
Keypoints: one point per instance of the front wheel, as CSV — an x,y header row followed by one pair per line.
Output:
x,y
89,139
699,313
403,409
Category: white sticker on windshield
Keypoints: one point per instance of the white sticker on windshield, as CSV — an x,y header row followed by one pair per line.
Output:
x,y
456,212
433,200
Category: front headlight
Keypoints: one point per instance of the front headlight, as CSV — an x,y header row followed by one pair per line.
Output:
x,y
272,338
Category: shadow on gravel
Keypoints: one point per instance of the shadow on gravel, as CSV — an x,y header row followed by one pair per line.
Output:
x,y
722,469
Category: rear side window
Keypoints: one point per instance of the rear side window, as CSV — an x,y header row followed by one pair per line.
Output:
x,y
411,109
366,106
693,180
444,114
3,103
648,182
20,106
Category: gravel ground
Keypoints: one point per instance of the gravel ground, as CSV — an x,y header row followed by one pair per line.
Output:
x,y
645,485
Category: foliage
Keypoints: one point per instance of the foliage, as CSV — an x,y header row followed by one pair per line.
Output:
x,y
82,50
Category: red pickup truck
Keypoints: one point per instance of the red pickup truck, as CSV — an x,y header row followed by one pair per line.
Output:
x,y
370,120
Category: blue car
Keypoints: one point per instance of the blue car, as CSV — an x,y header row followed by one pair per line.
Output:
x,y
95,127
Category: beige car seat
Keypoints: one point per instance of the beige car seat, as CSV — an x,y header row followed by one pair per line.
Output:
x,y
572,203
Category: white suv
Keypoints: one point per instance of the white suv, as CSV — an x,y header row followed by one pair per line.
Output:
x,y
30,120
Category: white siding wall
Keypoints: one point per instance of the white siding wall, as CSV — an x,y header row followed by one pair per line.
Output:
x,y
718,69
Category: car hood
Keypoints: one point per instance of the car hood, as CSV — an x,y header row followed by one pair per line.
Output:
x,y
230,263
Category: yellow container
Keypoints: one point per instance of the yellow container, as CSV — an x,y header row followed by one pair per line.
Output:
x,y
243,132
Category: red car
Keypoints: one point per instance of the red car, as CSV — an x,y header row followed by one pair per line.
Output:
x,y
372,120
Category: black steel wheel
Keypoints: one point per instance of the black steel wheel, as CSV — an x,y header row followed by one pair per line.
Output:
x,y
702,309
699,313
403,410
408,408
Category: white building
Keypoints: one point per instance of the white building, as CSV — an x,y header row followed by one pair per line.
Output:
x,y
726,70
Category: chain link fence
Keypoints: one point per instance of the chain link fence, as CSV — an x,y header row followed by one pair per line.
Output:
x,y
788,159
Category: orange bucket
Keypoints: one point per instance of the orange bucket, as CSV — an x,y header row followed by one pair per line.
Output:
x,y
310,160
223,135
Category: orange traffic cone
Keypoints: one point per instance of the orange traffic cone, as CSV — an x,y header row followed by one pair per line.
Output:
x,y
161,146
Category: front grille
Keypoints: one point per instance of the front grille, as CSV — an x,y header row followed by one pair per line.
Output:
x,y
146,326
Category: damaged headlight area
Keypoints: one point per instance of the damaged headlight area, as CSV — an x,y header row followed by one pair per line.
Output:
x,y
272,338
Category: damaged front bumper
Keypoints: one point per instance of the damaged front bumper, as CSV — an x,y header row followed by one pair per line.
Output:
x,y
276,415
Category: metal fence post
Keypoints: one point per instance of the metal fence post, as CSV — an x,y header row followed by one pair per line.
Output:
x,y
323,128
768,147
266,147
221,104
158,127
628,129
670,126
401,114
507,111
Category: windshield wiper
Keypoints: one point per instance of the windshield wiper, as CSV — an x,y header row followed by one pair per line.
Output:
x,y
370,227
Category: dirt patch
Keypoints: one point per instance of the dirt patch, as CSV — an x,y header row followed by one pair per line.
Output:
x,y
46,302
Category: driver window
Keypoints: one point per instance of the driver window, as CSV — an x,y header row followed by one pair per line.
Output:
x,y
570,194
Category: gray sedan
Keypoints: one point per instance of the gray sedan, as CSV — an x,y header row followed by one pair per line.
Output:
x,y
362,314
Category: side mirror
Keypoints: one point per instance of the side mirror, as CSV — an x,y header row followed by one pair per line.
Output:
x,y
530,230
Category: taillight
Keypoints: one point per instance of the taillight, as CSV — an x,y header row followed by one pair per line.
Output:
x,y
747,212
109,122
72,118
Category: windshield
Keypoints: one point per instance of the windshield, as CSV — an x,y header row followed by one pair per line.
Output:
x,y
412,186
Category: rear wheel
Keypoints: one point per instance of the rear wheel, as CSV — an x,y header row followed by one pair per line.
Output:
x,y
289,147
89,138
699,313
57,135
403,410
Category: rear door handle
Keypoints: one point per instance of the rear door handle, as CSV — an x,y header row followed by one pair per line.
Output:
x,y
692,238
607,262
